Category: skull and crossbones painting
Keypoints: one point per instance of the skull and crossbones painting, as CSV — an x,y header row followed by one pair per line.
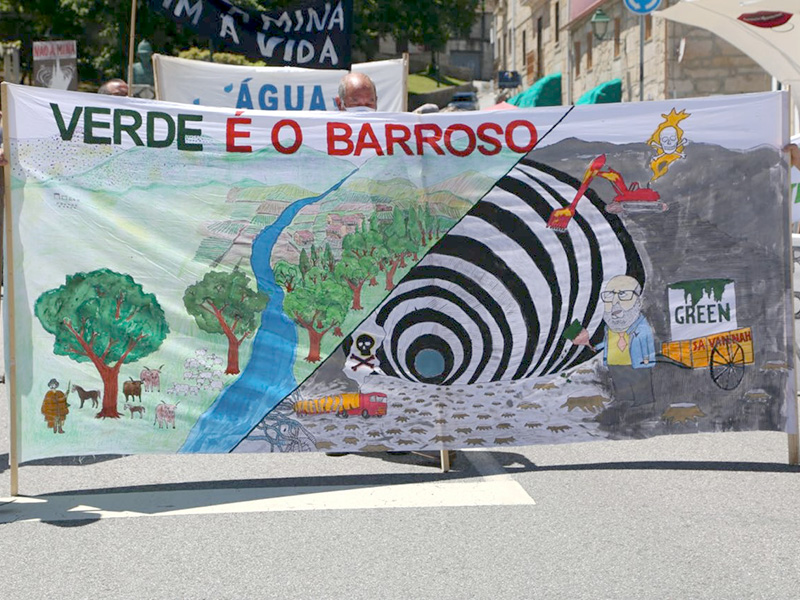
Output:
x,y
668,142
360,349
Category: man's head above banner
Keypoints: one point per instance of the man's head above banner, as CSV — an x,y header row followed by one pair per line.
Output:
x,y
357,93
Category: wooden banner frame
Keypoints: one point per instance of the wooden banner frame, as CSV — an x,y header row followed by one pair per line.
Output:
x,y
793,439
8,290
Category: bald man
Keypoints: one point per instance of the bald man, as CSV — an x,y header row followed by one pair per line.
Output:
x,y
357,93
114,87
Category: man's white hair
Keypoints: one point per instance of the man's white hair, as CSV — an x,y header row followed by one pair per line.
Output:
x,y
346,78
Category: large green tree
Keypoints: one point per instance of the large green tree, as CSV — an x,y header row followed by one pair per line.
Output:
x,y
225,303
105,318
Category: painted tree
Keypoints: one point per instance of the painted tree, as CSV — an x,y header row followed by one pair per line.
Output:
x,y
362,242
399,245
424,220
225,303
327,258
304,264
355,272
105,318
286,275
318,306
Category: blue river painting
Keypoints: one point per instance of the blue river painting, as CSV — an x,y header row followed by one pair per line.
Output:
x,y
257,390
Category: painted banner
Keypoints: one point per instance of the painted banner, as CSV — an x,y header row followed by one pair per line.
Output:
x,y
271,88
194,279
310,33
55,64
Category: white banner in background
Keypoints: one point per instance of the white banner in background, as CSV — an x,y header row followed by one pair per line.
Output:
x,y
390,77
270,88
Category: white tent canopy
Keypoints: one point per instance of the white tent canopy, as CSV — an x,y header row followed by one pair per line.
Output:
x,y
774,45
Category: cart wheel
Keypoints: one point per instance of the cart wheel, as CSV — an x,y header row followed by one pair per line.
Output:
x,y
797,305
365,413
342,413
727,365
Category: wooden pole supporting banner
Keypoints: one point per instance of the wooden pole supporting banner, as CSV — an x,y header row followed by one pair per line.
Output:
x,y
156,78
445,460
8,291
793,425
131,49
405,81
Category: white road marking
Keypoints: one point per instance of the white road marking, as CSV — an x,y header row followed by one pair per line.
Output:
x,y
493,488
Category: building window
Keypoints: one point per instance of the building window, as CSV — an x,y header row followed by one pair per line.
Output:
x,y
556,21
539,48
524,46
616,37
505,54
589,50
577,59
648,27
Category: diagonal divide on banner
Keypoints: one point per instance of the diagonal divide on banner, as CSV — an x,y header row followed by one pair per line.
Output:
x,y
203,434
111,170
510,304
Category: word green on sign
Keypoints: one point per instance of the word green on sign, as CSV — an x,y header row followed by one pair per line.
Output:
x,y
104,126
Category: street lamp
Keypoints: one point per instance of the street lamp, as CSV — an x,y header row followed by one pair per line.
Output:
x,y
600,21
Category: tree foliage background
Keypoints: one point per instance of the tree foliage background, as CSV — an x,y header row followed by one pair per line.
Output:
x,y
101,27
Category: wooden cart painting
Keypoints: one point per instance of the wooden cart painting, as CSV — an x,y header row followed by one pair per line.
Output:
x,y
724,354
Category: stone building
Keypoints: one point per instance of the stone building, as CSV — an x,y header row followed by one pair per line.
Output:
x,y
647,58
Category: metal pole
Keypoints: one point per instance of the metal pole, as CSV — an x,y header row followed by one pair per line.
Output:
x,y
641,58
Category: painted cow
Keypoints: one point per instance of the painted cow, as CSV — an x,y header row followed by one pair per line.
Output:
x,y
165,415
151,378
132,389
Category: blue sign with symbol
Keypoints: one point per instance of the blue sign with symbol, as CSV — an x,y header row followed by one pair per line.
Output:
x,y
642,7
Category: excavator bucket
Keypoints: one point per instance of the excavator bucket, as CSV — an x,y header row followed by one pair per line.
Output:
x,y
560,217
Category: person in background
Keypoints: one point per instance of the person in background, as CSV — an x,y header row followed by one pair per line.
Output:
x,y
114,87
357,93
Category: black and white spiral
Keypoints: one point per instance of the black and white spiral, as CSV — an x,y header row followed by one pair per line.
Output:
x,y
491,300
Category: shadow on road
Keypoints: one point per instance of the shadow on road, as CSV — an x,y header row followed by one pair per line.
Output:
x,y
85,506
61,461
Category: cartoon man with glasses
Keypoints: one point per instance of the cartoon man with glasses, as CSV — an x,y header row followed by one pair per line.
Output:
x,y
628,347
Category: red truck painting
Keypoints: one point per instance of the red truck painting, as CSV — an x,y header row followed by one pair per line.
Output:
x,y
344,405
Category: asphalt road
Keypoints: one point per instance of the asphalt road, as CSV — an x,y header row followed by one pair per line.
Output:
x,y
686,516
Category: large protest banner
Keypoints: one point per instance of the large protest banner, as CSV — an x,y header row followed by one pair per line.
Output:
x,y
271,88
309,33
193,279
